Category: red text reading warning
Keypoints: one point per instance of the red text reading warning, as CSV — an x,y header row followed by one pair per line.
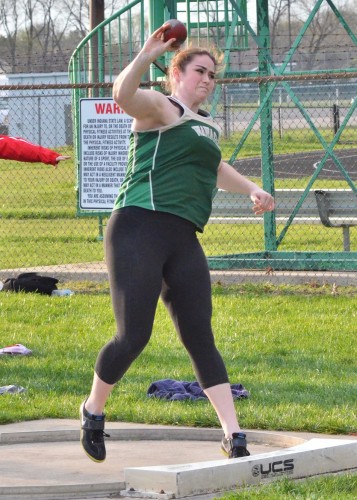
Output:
x,y
104,108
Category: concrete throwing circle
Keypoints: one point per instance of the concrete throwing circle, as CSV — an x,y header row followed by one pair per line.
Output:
x,y
51,463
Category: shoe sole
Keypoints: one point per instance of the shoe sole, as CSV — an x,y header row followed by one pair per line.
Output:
x,y
226,454
223,451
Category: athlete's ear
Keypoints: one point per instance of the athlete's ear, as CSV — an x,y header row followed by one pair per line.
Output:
x,y
176,74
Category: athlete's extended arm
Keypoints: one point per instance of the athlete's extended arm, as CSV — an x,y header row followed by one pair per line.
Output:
x,y
139,103
231,180
16,148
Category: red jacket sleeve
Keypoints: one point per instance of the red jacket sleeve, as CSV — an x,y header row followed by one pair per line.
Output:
x,y
15,148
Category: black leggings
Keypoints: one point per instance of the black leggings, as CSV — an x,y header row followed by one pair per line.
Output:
x,y
151,253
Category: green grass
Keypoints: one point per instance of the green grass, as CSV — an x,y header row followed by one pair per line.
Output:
x,y
292,141
39,225
36,242
222,239
37,191
343,487
293,349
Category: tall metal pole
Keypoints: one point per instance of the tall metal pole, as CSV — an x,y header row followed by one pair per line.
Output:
x,y
96,16
289,28
266,121
96,13
156,19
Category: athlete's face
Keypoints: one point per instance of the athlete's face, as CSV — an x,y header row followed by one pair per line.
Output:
x,y
198,78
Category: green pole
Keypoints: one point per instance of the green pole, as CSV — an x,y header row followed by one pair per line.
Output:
x,y
156,19
266,121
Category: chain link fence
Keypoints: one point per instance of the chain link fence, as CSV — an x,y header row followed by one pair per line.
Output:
x,y
42,229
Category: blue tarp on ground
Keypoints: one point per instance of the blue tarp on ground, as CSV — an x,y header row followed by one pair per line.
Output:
x,y
177,390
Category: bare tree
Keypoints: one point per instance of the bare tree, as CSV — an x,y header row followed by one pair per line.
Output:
x,y
59,36
279,22
9,22
30,9
319,46
112,6
78,13
316,43
41,35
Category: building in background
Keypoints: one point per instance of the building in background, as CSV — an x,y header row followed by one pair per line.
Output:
x,y
41,115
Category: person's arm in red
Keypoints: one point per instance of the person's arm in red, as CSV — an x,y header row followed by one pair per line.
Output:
x,y
16,148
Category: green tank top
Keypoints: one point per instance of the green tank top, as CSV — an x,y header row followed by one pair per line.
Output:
x,y
174,168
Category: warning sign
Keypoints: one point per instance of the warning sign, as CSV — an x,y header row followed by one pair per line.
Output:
x,y
104,143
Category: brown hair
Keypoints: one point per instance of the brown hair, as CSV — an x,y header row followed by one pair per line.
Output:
x,y
183,57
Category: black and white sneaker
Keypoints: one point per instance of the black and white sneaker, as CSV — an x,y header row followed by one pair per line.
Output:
x,y
92,434
236,446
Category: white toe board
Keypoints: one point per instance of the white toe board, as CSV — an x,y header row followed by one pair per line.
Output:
x,y
316,456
